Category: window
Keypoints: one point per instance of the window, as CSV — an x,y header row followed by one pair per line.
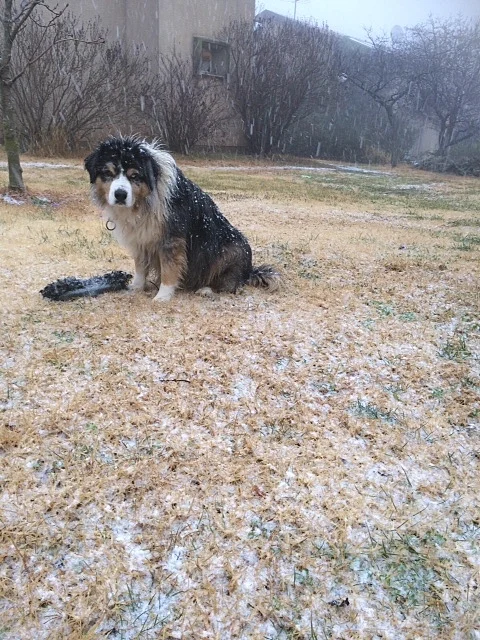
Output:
x,y
210,57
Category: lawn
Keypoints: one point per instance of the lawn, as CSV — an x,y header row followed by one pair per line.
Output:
x,y
301,464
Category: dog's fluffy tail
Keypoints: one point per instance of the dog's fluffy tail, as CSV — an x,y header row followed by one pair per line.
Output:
x,y
266,277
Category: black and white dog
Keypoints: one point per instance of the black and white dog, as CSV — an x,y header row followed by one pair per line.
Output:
x,y
169,225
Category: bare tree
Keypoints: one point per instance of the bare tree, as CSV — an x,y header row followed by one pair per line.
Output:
x,y
384,71
447,56
185,108
280,72
351,128
14,17
69,96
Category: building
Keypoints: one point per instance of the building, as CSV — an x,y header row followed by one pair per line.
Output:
x,y
188,27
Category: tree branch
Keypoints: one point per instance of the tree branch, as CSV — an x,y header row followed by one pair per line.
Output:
x,y
45,51
22,17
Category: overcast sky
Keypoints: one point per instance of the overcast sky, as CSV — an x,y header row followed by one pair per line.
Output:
x,y
351,16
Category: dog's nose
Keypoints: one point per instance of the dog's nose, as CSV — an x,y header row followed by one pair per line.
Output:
x,y
120,196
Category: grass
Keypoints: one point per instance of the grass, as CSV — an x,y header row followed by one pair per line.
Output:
x,y
296,465
467,242
455,349
367,410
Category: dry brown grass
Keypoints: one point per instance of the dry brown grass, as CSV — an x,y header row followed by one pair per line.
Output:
x,y
295,465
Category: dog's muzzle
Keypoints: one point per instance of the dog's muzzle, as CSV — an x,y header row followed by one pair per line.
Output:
x,y
120,196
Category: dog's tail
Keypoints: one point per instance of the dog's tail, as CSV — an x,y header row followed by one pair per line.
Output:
x,y
266,277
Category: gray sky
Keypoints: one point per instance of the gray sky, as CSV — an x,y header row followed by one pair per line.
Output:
x,y
350,16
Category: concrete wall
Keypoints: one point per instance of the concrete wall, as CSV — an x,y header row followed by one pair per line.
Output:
x,y
159,26
426,140
181,20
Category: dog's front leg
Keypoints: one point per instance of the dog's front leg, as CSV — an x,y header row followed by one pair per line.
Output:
x,y
140,277
173,262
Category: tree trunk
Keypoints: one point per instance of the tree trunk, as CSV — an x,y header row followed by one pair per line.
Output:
x,y
445,138
395,140
15,180
394,158
441,151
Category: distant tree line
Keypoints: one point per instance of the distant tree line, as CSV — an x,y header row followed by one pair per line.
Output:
x,y
295,88
433,71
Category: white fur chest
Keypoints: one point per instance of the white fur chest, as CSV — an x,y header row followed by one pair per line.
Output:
x,y
132,229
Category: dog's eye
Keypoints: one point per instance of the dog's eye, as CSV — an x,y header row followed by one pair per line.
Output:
x,y
106,175
135,176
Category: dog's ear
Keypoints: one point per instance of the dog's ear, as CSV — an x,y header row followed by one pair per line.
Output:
x,y
91,165
152,171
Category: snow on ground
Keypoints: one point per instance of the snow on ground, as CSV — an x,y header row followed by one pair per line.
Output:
x,y
10,200
44,165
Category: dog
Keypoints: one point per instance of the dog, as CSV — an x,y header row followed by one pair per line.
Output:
x,y
172,229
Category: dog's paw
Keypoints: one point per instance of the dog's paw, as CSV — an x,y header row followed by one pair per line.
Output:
x,y
137,284
206,292
165,293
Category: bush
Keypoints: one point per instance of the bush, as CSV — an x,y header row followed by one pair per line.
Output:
x,y
465,158
185,109
81,90
460,166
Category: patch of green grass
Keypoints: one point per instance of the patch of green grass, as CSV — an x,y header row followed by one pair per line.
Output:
x,y
411,213
455,349
309,268
302,577
44,207
469,383
383,309
325,387
372,412
467,243
386,310
465,222
413,194
369,324
64,336
281,430
408,316
411,569
472,320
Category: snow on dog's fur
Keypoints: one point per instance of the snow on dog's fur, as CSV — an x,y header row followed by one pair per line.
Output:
x,y
171,228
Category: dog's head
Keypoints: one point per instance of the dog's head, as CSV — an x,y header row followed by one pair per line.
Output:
x,y
122,171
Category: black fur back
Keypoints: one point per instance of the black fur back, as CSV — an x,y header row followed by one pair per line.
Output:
x,y
210,239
